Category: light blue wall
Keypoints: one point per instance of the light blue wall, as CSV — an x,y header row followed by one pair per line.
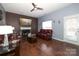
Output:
x,y
59,15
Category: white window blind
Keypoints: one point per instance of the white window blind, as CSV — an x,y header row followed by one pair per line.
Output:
x,y
71,27
47,25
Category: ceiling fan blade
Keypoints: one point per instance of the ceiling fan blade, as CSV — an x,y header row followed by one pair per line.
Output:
x,y
39,8
33,5
32,9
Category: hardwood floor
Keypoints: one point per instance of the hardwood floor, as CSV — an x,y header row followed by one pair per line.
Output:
x,y
48,48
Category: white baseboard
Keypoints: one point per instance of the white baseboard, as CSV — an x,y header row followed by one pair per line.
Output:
x,y
75,43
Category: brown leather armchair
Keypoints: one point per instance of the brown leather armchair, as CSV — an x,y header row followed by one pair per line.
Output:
x,y
45,34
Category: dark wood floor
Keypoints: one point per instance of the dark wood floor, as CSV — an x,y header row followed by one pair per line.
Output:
x,y
48,48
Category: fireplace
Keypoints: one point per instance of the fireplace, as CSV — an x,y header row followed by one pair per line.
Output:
x,y
25,31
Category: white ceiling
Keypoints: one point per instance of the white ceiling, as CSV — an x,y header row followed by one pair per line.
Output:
x,y
24,8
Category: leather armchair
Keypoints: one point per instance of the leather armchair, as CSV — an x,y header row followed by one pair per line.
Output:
x,y
45,34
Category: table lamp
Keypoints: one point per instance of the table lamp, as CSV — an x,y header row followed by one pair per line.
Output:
x,y
4,30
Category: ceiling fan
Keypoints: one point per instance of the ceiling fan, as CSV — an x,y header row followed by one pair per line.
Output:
x,y
35,7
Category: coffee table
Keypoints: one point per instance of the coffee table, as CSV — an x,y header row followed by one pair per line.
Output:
x,y
32,39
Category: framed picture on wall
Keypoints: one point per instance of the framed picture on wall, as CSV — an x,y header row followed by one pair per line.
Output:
x,y
24,22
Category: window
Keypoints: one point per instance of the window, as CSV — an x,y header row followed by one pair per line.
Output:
x,y
47,25
71,27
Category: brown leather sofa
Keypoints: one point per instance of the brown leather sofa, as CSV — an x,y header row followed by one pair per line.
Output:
x,y
45,34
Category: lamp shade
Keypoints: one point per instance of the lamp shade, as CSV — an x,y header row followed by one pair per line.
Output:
x,y
6,29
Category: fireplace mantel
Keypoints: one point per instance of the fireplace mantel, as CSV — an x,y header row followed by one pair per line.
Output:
x,y
25,28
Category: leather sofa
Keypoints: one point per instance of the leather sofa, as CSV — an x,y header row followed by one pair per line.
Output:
x,y
45,34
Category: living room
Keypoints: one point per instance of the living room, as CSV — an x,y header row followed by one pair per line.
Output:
x,y
39,29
